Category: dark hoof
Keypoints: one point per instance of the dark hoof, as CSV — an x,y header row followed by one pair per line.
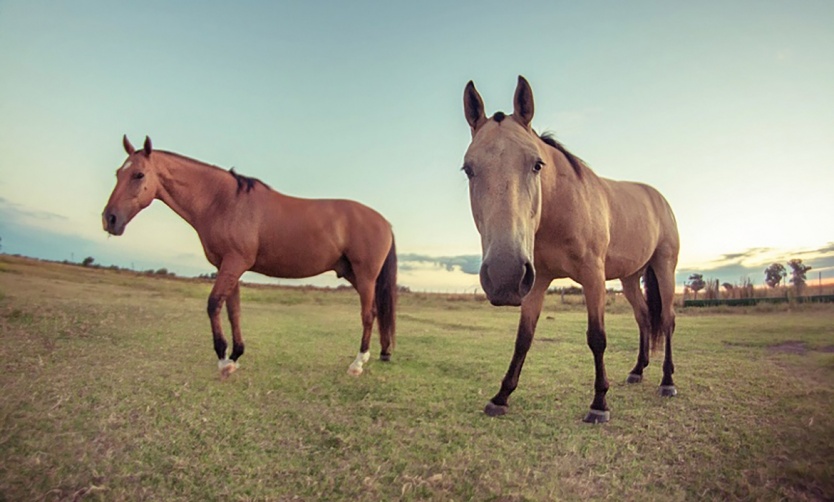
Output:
x,y
667,391
634,378
385,357
495,410
597,417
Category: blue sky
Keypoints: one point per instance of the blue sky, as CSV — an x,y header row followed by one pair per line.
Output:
x,y
726,107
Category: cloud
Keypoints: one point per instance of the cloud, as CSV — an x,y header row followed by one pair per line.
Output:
x,y
827,249
468,264
752,253
10,211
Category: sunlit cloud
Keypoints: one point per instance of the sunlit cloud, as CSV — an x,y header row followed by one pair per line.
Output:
x,y
468,264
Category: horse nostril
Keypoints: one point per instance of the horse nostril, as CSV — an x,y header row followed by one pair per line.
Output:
x,y
527,281
111,220
486,282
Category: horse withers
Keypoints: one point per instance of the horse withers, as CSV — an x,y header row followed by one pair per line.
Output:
x,y
543,215
245,225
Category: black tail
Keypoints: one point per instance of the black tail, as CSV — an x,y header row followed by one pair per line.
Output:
x,y
385,298
655,307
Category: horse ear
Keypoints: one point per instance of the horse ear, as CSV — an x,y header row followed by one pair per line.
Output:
x,y
148,146
523,102
128,147
473,107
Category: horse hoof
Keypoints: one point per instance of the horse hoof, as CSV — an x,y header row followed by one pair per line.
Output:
x,y
667,391
227,370
597,417
496,410
353,370
634,378
385,357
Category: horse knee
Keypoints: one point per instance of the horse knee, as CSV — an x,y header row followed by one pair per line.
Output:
x,y
597,341
215,303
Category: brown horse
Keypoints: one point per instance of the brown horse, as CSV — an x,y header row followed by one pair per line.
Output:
x,y
245,225
542,215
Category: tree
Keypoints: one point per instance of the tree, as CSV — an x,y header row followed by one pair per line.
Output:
x,y
696,283
798,270
774,274
88,261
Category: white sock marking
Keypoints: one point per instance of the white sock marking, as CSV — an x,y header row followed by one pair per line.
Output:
x,y
356,366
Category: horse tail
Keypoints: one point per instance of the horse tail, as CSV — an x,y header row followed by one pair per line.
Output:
x,y
385,299
655,308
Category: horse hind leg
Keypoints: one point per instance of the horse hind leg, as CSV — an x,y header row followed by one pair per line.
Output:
x,y
665,275
631,290
365,288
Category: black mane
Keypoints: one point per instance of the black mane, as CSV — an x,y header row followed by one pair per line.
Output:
x,y
245,183
576,163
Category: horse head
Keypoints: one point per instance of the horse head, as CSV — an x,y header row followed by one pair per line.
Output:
x,y
505,163
136,187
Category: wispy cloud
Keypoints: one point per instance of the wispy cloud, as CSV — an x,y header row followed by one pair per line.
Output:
x,y
468,264
10,211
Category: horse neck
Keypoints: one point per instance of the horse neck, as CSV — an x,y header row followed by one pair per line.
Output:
x,y
566,191
187,186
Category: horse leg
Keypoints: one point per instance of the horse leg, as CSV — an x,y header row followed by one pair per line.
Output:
x,y
631,290
225,287
233,310
365,288
531,308
665,272
595,301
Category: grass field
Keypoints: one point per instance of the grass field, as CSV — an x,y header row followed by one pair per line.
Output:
x,y
111,392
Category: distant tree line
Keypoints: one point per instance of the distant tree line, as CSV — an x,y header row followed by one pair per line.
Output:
x,y
774,275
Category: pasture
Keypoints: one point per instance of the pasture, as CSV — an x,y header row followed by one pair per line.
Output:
x,y
111,392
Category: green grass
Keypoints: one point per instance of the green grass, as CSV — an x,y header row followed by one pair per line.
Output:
x,y
111,392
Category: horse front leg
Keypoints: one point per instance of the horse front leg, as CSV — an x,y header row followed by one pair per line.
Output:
x,y
226,288
595,301
531,308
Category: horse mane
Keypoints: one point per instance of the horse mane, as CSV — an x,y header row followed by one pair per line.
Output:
x,y
576,163
244,183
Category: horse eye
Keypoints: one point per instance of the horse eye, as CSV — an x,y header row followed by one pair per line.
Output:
x,y
468,170
538,166
138,176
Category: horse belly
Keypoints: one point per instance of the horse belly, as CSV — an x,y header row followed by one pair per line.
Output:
x,y
293,265
625,260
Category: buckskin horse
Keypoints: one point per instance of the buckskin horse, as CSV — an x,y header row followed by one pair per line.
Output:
x,y
245,225
542,215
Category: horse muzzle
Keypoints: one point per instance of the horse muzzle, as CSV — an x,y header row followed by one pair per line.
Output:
x,y
507,282
112,223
